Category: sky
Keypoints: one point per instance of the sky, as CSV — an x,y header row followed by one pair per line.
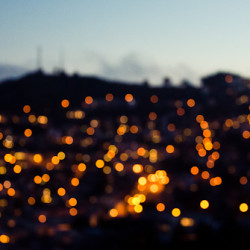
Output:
x,y
132,40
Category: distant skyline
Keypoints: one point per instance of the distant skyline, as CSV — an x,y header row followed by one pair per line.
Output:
x,y
127,40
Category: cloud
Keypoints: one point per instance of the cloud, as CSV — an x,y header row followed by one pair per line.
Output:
x,y
137,68
11,71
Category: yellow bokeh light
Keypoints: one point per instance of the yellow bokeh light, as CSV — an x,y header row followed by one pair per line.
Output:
x,y
154,188
4,239
137,168
68,140
176,212
138,208
113,212
11,192
99,163
243,207
61,156
74,182
45,178
204,204
119,167
187,222
37,179
72,202
55,160
17,169
142,181
37,158
81,167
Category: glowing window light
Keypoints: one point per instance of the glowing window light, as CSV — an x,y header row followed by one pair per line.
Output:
x,y
65,103
2,170
137,168
74,182
68,140
99,163
31,201
113,212
4,239
119,167
42,119
205,175
37,158
207,133
107,170
109,97
61,191
194,170
154,99
37,179
202,152
138,208
180,111
72,202
152,116
160,207
55,160
133,129
142,181
170,149
187,222
26,109
129,97
81,167
11,192
204,125
88,100
73,211
45,178
154,188
42,218
191,102
243,180
17,169
246,134
61,155
199,118
171,127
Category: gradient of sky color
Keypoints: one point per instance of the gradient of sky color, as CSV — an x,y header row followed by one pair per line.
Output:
x,y
129,40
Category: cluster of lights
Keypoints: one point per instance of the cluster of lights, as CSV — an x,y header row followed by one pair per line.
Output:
x,y
140,161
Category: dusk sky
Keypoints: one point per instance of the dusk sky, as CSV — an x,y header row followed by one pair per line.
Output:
x,y
128,40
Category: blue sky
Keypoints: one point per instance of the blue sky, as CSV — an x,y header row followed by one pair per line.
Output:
x,y
129,40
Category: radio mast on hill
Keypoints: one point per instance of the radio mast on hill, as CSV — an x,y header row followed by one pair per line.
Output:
x,y
39,58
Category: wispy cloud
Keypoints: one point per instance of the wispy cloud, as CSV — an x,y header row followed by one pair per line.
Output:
x,y
11,71
135,67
